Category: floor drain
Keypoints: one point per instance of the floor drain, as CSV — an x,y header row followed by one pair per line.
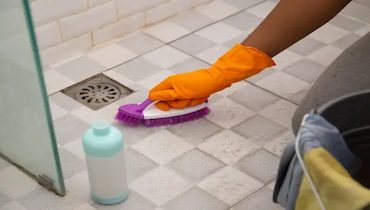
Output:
x,y
97,91
98,94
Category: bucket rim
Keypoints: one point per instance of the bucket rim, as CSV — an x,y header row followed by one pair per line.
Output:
x,y
320,110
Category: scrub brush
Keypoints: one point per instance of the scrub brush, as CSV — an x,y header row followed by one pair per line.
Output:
x,y
147,113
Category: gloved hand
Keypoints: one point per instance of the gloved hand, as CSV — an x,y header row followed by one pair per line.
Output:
x,y
193,88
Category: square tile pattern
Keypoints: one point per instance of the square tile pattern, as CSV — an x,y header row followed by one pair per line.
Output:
x,y
225,161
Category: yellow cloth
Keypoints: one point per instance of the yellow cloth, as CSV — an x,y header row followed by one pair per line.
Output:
x,y
337,189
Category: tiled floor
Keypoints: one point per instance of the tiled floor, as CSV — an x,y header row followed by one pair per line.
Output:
x,y
227,160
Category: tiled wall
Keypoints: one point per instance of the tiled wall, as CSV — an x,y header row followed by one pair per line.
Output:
x,y
66,27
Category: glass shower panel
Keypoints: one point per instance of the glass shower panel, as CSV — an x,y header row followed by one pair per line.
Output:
x,y
26,133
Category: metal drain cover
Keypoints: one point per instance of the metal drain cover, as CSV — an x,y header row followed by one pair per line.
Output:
x,y
97,92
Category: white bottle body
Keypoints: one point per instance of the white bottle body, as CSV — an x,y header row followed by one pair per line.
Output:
x,y
105,161
107,176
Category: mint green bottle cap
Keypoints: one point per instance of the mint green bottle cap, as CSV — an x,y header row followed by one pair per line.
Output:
x,y
102,140
101,127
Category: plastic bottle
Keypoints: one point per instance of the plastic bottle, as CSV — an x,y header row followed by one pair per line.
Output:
x,y
104,151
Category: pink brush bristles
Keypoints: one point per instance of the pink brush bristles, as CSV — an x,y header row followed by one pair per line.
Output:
x,y
131,120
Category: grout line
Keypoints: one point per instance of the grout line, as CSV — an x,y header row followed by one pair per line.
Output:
x,y
353,18
164,19
116,5
273,93
92,38
60,33
145,19
194,5
50,21
254,193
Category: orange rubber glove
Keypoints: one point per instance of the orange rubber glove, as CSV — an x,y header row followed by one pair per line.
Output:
x,y
193,88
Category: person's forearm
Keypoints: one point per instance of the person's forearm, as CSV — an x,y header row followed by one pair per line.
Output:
x,y
290,21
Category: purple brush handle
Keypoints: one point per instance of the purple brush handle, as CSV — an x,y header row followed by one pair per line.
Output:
x,y
144,105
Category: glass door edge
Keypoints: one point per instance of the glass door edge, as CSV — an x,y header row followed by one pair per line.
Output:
x,y
27,11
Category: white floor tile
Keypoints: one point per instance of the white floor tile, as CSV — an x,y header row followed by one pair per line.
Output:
x,y
285,59
226,113
263,9
89,116
78,185
272,185
230,185
166,32
76,148
118,77
55,81
228,147
166,56
212,55
282,84
111,55
233,88
13,206
162,147
281,112
363,30
85,207
328,34
217,10
160,185
219,33
67,60
325,55
57,111
15,183
152,81
278,145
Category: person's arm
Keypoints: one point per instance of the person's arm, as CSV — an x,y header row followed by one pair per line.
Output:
x,y
290,21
